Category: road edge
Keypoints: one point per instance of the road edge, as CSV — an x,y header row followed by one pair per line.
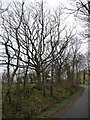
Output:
x,y
68,103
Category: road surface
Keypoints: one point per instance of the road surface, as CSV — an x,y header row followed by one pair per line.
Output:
x,y
0,101
80,108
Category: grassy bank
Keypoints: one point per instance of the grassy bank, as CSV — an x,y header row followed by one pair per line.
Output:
x,y
59,104
36,105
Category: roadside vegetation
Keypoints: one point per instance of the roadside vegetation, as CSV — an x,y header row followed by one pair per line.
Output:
x,y
42,59
36,105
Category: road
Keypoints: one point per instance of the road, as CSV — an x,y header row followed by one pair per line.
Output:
x,y
80,108
0,101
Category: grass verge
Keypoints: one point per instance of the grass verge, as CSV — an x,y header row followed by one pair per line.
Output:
x,y
36,105
59,105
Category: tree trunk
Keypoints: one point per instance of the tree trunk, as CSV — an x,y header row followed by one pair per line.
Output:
x,y
38,77
59,75
51,88
84,76
43,84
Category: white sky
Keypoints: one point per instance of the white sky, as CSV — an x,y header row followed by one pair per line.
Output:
x,y
51,3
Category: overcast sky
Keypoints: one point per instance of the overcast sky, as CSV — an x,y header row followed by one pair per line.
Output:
x,y
51,4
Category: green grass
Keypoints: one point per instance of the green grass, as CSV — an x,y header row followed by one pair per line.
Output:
x,y
36,105
0,86
58,105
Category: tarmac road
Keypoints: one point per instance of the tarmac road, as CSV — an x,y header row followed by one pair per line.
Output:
x,y
80,108
0,101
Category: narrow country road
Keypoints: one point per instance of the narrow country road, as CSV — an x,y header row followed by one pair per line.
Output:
x,y
0,101
80,108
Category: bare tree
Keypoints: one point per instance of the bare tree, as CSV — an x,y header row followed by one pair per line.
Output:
x,y
82,10
35,39
2,10
11,36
